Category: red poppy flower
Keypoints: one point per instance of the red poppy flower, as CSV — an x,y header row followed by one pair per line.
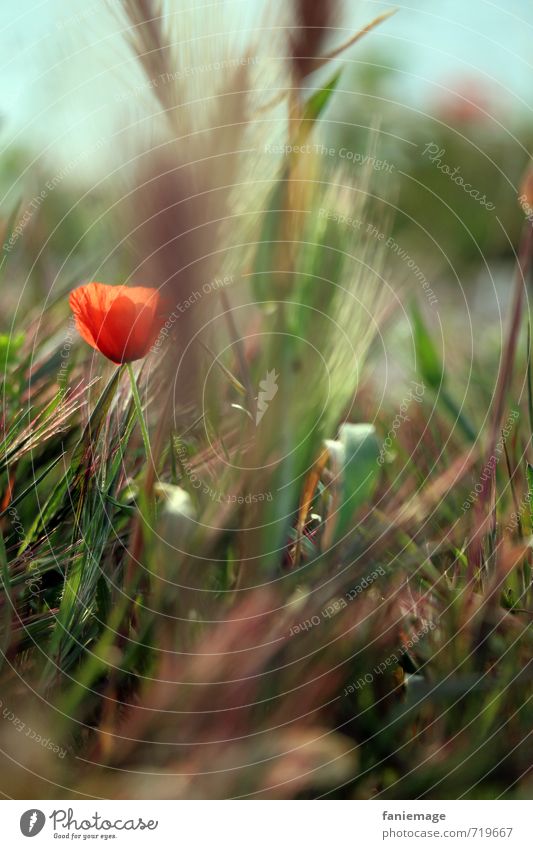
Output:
x,y
122,322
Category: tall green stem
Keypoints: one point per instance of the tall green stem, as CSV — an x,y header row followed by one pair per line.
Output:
x,y
139,411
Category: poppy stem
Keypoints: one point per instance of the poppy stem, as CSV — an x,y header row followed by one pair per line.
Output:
x,y
139,411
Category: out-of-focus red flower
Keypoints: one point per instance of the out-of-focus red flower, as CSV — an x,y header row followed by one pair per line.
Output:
x,y
467,101
122,322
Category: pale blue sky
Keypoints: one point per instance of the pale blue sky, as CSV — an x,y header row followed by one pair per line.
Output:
x,y
44,59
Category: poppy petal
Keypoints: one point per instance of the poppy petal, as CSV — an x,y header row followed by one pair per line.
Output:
x,y
121,322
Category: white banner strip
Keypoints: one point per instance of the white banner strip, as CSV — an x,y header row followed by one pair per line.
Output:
x,y
267,824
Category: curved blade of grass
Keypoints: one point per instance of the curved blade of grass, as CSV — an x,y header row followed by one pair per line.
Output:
x,y
355,467
32,486
73,477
